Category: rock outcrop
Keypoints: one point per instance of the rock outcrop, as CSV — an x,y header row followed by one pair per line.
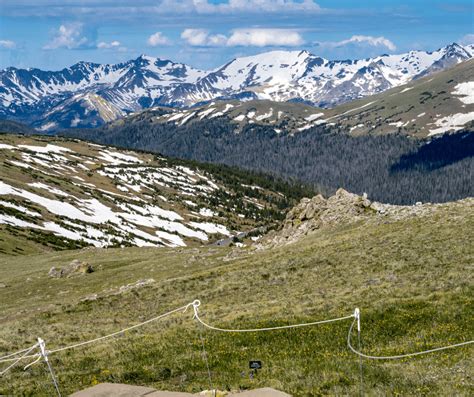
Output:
x,y
344,208
76,267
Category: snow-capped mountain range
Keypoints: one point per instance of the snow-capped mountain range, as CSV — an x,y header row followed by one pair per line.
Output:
x,y
89,94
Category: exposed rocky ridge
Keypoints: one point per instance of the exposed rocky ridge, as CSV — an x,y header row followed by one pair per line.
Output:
x,y
344,208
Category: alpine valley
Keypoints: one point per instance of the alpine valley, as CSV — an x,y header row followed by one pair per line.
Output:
x,y
88,94
407,144
281,192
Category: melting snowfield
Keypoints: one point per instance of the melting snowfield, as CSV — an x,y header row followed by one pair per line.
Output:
x,y
120,206
451,122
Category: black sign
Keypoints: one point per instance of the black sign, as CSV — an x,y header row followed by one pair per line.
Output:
x,y
255,364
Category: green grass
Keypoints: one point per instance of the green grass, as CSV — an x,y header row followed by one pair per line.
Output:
x,y
412,280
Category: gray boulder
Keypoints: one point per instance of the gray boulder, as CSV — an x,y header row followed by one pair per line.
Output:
x,y
75,268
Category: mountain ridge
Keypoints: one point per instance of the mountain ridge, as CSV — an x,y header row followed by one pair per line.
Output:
x,y
29,94
422,108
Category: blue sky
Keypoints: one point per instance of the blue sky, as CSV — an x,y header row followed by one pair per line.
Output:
x,y
52,34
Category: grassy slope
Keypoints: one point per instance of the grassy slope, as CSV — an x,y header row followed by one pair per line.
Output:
x,y
417,105
412,280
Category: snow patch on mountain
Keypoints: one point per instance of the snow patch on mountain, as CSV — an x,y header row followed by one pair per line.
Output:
x,y
89,94
465,91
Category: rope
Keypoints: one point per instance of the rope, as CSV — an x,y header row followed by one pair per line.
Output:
x,y
2,359
400,355
182,308
197,303
19,358
33,362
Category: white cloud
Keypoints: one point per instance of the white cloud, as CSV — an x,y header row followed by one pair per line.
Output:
x,y
157,39
202,38
69,36
265,38
105,45
252,6
7,44
195,37
140,8
359,40
370,40
243,37
467,39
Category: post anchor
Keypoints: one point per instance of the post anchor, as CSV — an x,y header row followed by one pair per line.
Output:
x,y
361,370
44,354
357,316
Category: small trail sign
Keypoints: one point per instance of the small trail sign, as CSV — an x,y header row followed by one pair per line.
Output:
x,y
255,364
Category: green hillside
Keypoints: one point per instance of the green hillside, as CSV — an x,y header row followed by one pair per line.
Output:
x,y
411,277
65,194
422,108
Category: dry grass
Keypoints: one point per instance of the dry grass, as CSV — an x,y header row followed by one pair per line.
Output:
x,y
412,280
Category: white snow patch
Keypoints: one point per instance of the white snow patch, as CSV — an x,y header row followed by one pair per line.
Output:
x,y
174,239
211,228
465,91
397,124
265,115
240,117
314,116
19,208
356,126
117,158
204,113
45,149
11,220
354,109
452,122
207,212
50,189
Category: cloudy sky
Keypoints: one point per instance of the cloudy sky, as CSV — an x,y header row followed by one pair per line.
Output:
x,y
52,34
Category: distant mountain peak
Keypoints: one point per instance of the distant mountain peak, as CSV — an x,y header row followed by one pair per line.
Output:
x,y
280,75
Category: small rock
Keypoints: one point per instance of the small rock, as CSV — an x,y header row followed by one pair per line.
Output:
x,y
138,284
76,267
90,298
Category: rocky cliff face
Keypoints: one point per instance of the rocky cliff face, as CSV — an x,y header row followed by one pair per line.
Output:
x,y
344,208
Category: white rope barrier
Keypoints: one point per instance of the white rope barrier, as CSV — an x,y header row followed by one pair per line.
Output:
x,y
18,359
399,356
197,303
2,359
17,356
28,350
182,308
